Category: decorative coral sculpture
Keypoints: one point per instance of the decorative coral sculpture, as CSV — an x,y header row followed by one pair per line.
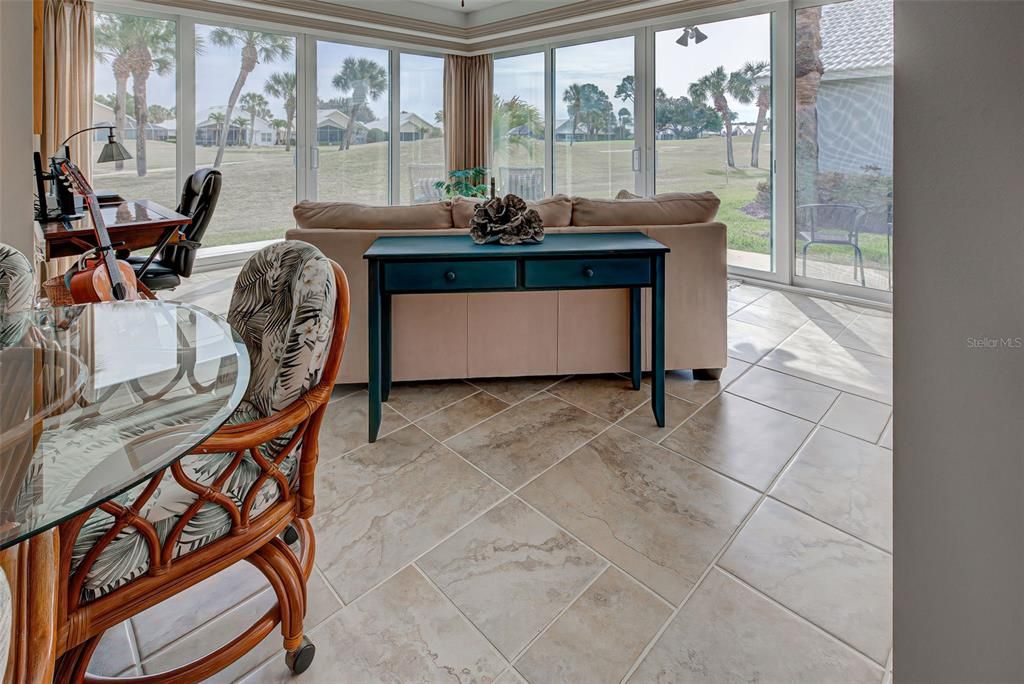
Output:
x,y
506,220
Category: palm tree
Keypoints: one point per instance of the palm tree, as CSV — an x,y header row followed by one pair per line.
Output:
x,y
808,78
715,86
625,118
366,80
755,71
282,86
242,124
278,124
136,46
111,41
257,47
573,99
255,105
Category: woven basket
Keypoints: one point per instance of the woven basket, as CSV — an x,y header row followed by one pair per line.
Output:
x,y
57,292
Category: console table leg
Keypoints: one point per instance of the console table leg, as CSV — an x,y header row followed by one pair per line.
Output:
x,y
658,340
385,344
634,336
374,384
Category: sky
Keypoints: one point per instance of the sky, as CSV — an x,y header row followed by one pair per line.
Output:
x,y
730,44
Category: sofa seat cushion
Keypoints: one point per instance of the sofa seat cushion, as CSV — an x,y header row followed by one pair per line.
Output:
x,y
353,216
666,209
554,211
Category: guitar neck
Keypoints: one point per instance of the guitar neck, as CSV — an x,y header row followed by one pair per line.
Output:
x,y
103,243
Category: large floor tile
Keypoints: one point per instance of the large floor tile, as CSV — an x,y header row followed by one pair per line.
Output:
x,y
845,482
403,631
519,443
642,421
609,396
599,637
768,318
346,426
511,571
745,294
461,415
808,400
749,342
796,304
659,517
321,604
114,653
857,416
381,506
740,438
727,633
812,354
834,580
869,333
514,390
179,615
886,440
417,399
681,383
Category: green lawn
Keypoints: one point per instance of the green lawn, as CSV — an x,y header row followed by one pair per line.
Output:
x,y
259,184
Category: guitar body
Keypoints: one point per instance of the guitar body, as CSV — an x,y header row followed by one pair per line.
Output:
x,y
93,284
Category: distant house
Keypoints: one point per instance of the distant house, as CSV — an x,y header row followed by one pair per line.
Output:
x,y
564,132
411,127
102,115
525,131
331,125
208,129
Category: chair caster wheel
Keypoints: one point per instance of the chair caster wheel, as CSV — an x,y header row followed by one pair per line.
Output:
x,y
300,659
290,535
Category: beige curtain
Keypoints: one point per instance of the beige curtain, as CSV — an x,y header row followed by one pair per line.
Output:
x,y
67,86
468,105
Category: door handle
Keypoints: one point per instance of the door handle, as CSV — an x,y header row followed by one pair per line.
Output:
x,y
314,157
636,160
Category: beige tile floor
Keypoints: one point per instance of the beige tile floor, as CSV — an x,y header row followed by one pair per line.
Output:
x,y
545,530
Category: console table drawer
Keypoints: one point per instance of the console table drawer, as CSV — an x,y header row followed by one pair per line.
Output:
x,y
441,276
570,273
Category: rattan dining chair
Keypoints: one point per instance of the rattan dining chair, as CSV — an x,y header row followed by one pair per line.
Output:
x,y
235,497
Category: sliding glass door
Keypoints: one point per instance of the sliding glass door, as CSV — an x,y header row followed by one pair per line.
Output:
x,y
713,125
843,154
595,153
518,126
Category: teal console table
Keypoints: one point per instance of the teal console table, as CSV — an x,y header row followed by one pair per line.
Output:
x,y
567,261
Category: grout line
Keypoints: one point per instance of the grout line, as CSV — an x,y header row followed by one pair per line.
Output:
x,y
714,561
448,599
795,614
133,642
522,651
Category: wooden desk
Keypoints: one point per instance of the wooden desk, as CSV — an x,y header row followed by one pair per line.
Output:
x,y
137,224
566,261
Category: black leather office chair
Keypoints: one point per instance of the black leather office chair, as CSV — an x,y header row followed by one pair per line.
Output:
x,y
173,262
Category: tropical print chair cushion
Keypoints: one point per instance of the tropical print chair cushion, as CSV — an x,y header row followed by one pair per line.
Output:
x,y
283,308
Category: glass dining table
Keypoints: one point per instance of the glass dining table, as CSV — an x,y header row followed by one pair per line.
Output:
x,y
95,399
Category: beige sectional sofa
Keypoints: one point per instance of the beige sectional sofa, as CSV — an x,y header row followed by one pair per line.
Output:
x,y
446,336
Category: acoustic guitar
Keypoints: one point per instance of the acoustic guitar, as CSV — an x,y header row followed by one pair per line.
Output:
x,y
100,277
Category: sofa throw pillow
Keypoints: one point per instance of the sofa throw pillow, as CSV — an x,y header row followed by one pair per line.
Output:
x,y
353,216
555,211
666,209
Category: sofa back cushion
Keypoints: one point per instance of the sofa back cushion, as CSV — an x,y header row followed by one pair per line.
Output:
x,y
666,209
353,216
555,211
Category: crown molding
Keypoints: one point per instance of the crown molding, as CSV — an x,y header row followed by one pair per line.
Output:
x,y
553,22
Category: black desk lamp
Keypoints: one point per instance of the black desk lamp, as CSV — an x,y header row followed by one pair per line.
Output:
x,y
112,151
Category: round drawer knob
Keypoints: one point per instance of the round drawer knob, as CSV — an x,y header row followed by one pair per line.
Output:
x,y
588,272
450,276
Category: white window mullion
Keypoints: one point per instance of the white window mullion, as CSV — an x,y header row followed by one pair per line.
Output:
x,y
395,128
783,141
305,117
549,120
185,105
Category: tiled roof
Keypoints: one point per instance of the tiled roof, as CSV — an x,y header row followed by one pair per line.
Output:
x,y
856,36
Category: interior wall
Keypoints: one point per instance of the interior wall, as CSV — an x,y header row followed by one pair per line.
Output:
x,y
959,342
16,194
